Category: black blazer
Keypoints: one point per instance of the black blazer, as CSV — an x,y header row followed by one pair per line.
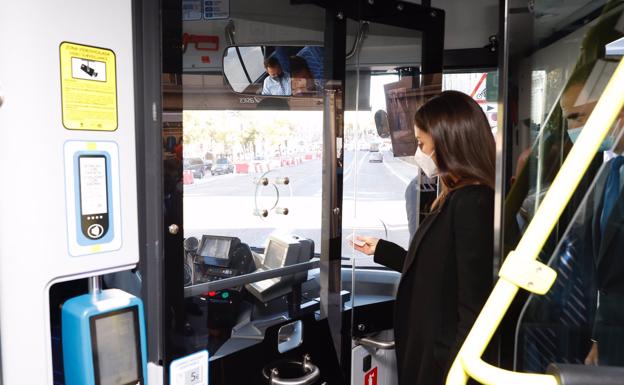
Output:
x,y
446,278
607,251
607,248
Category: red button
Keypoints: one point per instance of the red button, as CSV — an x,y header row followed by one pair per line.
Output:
x,y
212,293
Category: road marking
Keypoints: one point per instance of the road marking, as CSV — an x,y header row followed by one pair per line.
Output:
x,y
396,173
213,178
400,159
349,173
350,168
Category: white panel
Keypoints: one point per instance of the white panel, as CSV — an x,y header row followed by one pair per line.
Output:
x,y
383,360
155,374
33,228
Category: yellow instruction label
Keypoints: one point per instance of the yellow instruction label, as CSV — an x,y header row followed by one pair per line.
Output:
x,y
88,87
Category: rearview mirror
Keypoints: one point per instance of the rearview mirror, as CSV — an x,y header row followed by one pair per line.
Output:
x,y
275,70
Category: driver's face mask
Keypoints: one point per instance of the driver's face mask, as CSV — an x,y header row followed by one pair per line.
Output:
x,y
606,144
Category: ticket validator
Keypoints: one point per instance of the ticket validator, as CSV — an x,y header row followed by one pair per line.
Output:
x,y
104,338
281,251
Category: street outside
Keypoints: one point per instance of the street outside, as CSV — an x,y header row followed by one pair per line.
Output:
x,y
374,203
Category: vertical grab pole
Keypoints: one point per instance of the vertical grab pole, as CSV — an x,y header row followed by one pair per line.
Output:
x,y
335,39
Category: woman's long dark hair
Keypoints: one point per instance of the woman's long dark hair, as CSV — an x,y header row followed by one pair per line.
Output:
x,y
465,151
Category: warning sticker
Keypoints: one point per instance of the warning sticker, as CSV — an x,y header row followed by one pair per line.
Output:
x,y
88,87
370,378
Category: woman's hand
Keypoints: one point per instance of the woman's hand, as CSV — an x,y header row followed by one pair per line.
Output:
x,y
369,246
592,356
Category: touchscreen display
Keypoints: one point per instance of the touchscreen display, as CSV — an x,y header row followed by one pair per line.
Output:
x,y
215,248
116,351
274,255
93,185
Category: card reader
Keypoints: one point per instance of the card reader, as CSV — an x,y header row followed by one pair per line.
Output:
x,y
281,251
103,338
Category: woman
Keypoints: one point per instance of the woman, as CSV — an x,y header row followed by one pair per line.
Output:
x,y
447,271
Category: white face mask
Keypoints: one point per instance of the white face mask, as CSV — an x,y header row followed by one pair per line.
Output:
x,y
426,162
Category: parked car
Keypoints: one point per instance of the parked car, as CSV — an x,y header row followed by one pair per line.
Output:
x,y
196,165
375,157
222,166
208,159
373,147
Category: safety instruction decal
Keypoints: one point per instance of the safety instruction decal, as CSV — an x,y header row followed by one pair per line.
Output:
x,y
88,87
190,370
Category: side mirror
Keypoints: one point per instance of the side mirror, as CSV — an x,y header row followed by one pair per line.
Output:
x,y
381,123
275,70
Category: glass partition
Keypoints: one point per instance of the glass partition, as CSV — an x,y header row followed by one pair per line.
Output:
x,y
386,195
378,168
243,176
259,172
580,320
560,80
377,172
551,109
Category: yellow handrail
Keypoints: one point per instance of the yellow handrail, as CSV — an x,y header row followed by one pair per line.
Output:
x,y
535,277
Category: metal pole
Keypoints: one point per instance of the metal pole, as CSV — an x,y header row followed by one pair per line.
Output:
x,y
330,279
331,217
95,285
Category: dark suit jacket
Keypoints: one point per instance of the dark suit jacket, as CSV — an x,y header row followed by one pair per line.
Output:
x,y
446,278
607,250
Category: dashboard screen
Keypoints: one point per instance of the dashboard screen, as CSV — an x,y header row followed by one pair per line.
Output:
x,y
274,255
215,248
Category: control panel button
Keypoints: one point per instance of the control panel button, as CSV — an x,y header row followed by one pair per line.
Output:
x,y
95,231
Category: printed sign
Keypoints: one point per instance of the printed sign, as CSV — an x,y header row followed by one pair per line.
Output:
x,y
88,87
190,370
191,10
216,9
